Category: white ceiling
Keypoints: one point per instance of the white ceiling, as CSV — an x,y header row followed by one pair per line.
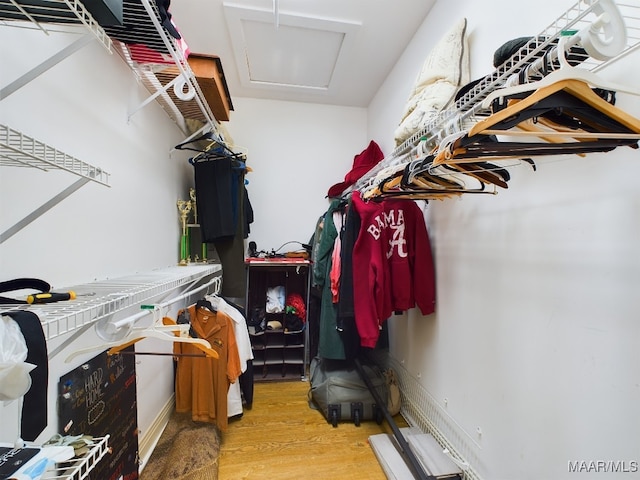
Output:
x,y
320,51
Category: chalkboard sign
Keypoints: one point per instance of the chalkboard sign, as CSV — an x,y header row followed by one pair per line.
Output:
x,y
99,398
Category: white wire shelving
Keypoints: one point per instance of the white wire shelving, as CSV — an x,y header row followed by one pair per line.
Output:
x,y
51,16
102,300
79,468
99,300
20,150
171,69
469,108
143,25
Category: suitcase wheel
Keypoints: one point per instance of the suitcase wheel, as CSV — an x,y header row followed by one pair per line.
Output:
x,y
356,413
334,415
379,415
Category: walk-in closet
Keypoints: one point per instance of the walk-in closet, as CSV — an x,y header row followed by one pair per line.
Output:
x,y
322,239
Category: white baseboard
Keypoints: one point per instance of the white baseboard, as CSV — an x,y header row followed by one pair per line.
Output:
x,y
149,439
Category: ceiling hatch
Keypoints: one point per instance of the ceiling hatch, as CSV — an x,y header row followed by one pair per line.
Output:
x,y
279,50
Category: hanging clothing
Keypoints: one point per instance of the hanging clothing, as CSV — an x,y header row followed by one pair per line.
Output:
x,y
202,383
34,405
215,199
231,249
245,353
334,274
346,322
350,231
246,377
392,264
329,342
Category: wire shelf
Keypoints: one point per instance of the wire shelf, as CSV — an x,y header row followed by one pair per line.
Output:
x,y
154,75
50,16
18,149
79,468
468,109
99,300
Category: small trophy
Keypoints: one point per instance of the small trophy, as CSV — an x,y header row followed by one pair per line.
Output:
x,y
203,246
184,206
192,195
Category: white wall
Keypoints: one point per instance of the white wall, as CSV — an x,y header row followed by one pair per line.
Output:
x,y
297,151
534,341
80,106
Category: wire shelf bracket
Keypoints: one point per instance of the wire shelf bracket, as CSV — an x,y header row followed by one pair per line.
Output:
x,y
20,150
60,16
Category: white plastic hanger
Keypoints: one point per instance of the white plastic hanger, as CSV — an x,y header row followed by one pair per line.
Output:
x,y
170,333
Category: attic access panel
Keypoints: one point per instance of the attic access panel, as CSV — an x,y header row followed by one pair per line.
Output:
x,y
283,51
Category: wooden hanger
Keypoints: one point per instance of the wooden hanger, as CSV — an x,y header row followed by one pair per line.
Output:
x,y
565,72
607,114
424,189
485,173
602,125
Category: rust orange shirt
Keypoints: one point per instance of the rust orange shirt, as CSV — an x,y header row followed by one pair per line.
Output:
x,y
202,383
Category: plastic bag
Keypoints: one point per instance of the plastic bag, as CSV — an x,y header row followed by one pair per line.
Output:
x,y
275,299
15,380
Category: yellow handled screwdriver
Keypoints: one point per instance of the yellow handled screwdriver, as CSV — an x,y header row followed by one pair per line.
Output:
x,y
51,297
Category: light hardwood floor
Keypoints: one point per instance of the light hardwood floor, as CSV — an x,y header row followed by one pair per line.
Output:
x,y
282,438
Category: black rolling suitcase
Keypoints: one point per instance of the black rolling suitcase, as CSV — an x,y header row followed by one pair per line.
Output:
x,y
338,391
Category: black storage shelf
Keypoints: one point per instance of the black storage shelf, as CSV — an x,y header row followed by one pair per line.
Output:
x,y
279,354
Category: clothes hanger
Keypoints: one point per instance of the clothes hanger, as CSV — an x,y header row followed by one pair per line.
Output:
x,y
566,102
184,318
166,329
575,80
392,188
513,105
542,128
517,150
420,173
172,333
596,109
205,136
433,194
204,303
214,299
565,72
419,179
215,150
485,173
370,188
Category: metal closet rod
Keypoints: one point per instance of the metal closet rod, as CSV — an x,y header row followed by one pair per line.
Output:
x,y
148,309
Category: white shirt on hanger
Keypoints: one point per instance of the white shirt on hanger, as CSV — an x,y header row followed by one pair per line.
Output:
x,y
234,398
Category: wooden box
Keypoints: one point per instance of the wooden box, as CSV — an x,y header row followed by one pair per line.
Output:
x,y
210,77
